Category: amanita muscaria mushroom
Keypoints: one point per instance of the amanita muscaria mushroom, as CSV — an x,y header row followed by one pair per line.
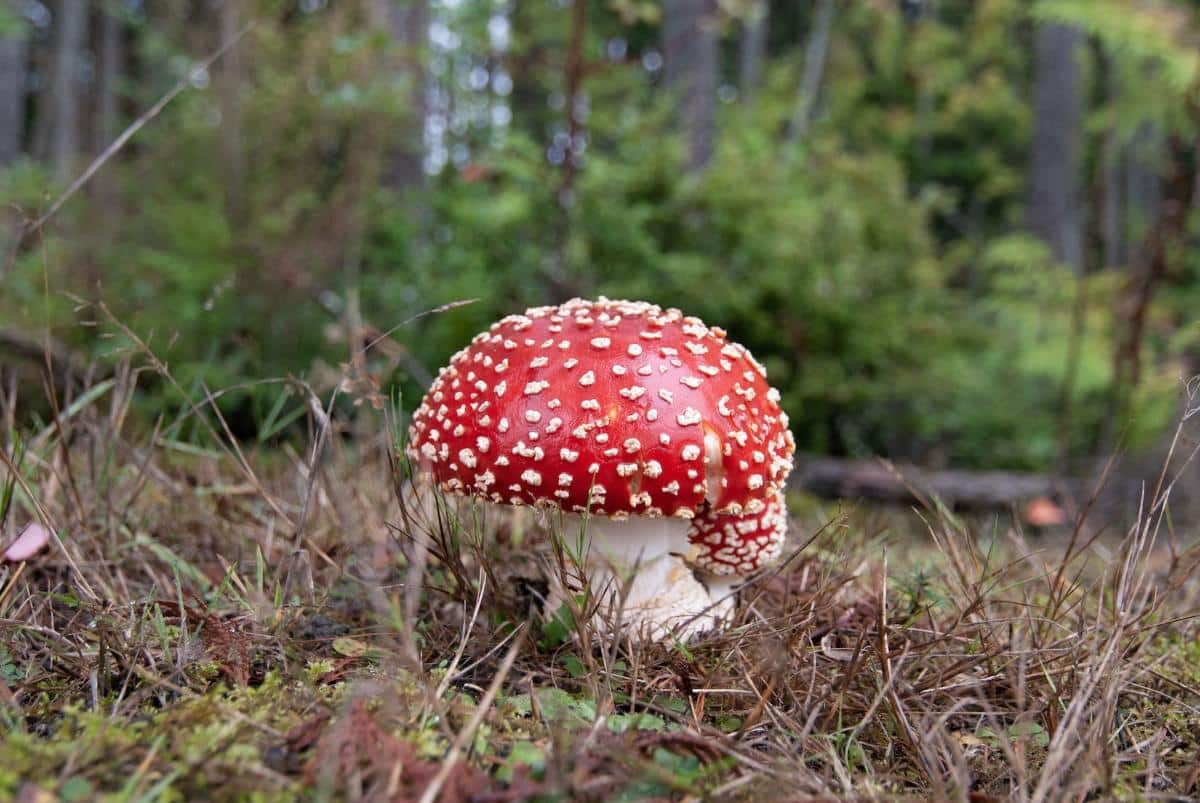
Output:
x,y
652,433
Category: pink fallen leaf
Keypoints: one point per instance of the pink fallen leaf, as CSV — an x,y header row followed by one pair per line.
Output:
x,y
31,540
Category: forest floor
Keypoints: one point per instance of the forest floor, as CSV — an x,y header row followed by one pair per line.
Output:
x,y
259,622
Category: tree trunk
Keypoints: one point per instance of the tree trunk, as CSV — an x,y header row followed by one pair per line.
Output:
x,y
12,96
1054,195
1146,275
557,272
12,119
407,23
1111,228
689,45
530,111
574,72
105,121
232,152
69,41
104,124
1142,187
814,68
752,49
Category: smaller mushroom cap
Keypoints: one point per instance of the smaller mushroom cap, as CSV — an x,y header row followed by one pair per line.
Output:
x,y
739,544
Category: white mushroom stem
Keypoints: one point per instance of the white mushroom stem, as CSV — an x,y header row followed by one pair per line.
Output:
x,y
721,588
645,560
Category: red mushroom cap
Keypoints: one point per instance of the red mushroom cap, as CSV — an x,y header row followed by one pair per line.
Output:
x,y
739,544
615,407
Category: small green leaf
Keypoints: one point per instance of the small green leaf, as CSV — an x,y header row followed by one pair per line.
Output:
x,y
619,723
522,754
728,723
76,788
676,704
349,647
520,704
574,666
1032,732
556,705
557,630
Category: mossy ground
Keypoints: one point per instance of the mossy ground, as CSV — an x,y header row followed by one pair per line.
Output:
x,y
227,622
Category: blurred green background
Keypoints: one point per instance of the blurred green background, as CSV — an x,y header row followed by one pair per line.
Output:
x,y
959,232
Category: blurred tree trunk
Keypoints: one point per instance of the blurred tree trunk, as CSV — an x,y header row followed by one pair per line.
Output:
x,y
1142,187
63,98
1149,228
232,146
1111,229
38,137
574,73
531,112
752,49
1146,275
689,46
12,118
407,24
102,131
1054,194
12,96
814,68
105,119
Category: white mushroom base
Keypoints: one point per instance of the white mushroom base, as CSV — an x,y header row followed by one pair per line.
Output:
x,y
638,571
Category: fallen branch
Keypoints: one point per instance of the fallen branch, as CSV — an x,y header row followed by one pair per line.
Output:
x,y
880,480
16,347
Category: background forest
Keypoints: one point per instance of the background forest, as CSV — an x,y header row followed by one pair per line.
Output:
x,y
957,231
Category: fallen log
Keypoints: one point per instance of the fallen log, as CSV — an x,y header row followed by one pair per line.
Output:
x,y
18,350
881,480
